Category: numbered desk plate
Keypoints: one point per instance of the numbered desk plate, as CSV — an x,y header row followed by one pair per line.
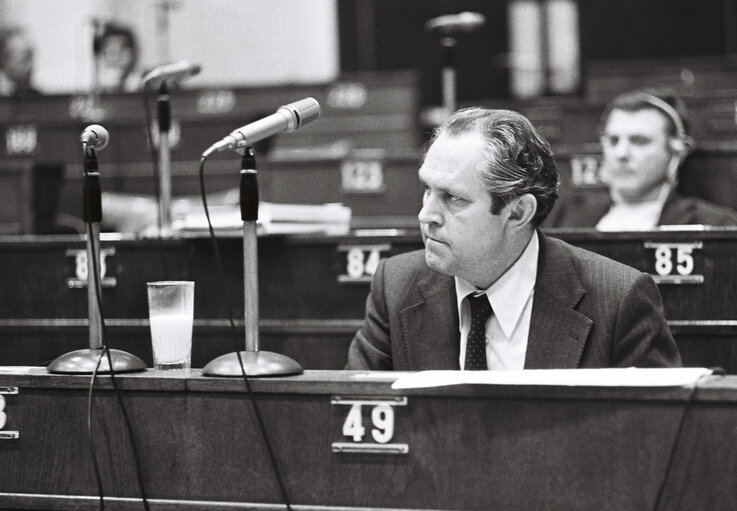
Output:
x,y
21,140
368,427
361,262
81,269
5,434
674,263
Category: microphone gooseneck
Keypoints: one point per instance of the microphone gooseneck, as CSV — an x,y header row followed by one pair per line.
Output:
x,y
287,118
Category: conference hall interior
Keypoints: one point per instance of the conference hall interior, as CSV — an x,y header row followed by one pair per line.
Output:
x,y
275,174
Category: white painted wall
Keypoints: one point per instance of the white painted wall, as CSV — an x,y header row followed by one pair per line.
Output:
x,y
246,42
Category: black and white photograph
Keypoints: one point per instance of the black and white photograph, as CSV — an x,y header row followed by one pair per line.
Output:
x,y
368,255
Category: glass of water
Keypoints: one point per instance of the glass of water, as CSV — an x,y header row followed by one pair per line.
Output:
x,y
171,312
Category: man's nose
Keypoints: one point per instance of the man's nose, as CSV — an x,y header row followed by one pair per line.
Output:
x,y
621,149
429,213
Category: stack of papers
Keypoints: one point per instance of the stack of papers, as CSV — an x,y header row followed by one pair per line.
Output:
x,y
274,218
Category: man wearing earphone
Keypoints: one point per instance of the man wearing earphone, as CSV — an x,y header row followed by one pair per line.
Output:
x,y
644,141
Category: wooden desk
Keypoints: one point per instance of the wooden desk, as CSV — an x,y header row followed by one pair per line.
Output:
x,y
690,77
313,291
358,111
467,447
572,121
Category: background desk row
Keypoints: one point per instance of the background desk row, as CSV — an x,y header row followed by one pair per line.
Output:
x,y
363,151
313,291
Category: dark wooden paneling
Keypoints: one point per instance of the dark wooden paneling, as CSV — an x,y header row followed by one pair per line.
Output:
x,y
470,447
686,77
359,111
567,122
300,275
307,312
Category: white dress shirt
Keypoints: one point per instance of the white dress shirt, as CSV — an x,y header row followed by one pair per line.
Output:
x,y
511,300
637,216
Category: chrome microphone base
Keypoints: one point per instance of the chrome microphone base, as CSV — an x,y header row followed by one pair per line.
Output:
x,y
84,362
255,363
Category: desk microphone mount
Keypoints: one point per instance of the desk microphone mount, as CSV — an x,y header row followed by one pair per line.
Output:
x,y
255,362
447,27
85,361
164,114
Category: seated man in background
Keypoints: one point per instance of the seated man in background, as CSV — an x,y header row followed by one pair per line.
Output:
x,y
116,57
490,291
644,141
16,63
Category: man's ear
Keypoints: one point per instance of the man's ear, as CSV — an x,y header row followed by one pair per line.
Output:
x,y
522,210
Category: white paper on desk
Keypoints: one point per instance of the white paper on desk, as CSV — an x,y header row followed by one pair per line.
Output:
x,y
22,369
612,377
274,218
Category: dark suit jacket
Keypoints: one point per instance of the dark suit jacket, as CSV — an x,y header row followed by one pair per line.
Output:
x,y
587,311
587,210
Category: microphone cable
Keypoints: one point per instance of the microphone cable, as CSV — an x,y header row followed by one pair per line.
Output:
x,y
96,281
234,337
679,434
90,437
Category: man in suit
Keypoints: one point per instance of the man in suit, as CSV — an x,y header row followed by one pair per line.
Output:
x,y
490,291
644,142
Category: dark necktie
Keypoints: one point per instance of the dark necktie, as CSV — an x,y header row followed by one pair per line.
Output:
x,y
476,343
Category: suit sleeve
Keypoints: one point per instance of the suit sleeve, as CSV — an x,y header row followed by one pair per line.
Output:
x,y
371,346
641,336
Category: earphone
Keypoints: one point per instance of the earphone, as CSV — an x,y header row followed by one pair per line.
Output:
x,y
682,144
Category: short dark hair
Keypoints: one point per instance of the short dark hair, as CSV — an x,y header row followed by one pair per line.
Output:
x,y
517,159
113,30
634,101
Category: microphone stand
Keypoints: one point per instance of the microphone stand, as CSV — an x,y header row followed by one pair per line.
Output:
x,y
448,83
84,361
164,114
255,362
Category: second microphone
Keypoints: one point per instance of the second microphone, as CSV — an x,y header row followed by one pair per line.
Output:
x,y
286,118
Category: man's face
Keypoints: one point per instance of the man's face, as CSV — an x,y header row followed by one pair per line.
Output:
x,y
637,153
19,59
462,237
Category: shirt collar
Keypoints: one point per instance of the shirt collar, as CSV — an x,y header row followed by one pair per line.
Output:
x,y
635,216
509,294
657,196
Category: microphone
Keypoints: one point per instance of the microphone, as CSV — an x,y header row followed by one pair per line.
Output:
x,y
453,23
175,71
287,118
95,136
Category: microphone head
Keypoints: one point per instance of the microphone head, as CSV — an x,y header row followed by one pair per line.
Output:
x,y
286,118
454,23
95,136
174,72
301,112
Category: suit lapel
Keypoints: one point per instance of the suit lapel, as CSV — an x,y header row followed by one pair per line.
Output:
x,y
675,211
431,339
558,332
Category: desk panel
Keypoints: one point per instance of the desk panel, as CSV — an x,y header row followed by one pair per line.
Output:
x,y
359,111
469,447
305,277
313,291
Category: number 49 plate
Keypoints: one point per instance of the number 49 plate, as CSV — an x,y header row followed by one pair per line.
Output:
x,y
369,425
